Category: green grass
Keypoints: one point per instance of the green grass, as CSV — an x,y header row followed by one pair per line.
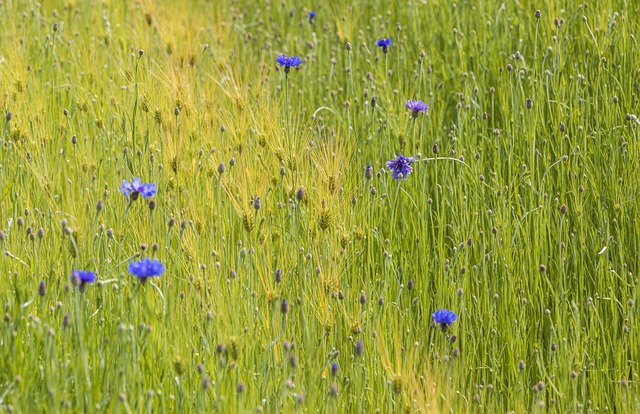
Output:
x,y
532,239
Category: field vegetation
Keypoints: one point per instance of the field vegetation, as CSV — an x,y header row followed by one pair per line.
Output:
x,y
192,220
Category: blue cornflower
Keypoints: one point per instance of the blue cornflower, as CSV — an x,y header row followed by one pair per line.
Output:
x,y
359,348
334,369
384,44
288,62
81,277
444,317
400,167
146,268
136,187
312,15
416,107
368,172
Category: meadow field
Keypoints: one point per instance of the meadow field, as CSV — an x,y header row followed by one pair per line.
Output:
x,y
400,206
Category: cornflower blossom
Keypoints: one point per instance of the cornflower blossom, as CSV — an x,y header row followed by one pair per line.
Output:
x,y
384,44
400,167
288,62
444,318
136,187
416,107
146,268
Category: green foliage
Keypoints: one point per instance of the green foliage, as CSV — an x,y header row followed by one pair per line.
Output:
x,y
519,215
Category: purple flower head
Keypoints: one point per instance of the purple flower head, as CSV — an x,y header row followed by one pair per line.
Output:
x,y
81,277
334,369
288,62
359,348
136,187
400,165
312,15
444,317
42,288
382,42
146,268
368,172
416,107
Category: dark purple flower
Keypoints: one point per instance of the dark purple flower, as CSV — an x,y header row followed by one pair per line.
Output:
x,y
288,62
334,369
312,15
368,172
146,268
136,187
384,44
444,317
359,348
416,107
400,167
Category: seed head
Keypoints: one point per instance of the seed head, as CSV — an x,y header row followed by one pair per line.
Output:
x,y
363,298
206,382
521,365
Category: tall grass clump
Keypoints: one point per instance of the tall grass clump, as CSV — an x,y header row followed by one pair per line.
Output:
x,y
400,206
